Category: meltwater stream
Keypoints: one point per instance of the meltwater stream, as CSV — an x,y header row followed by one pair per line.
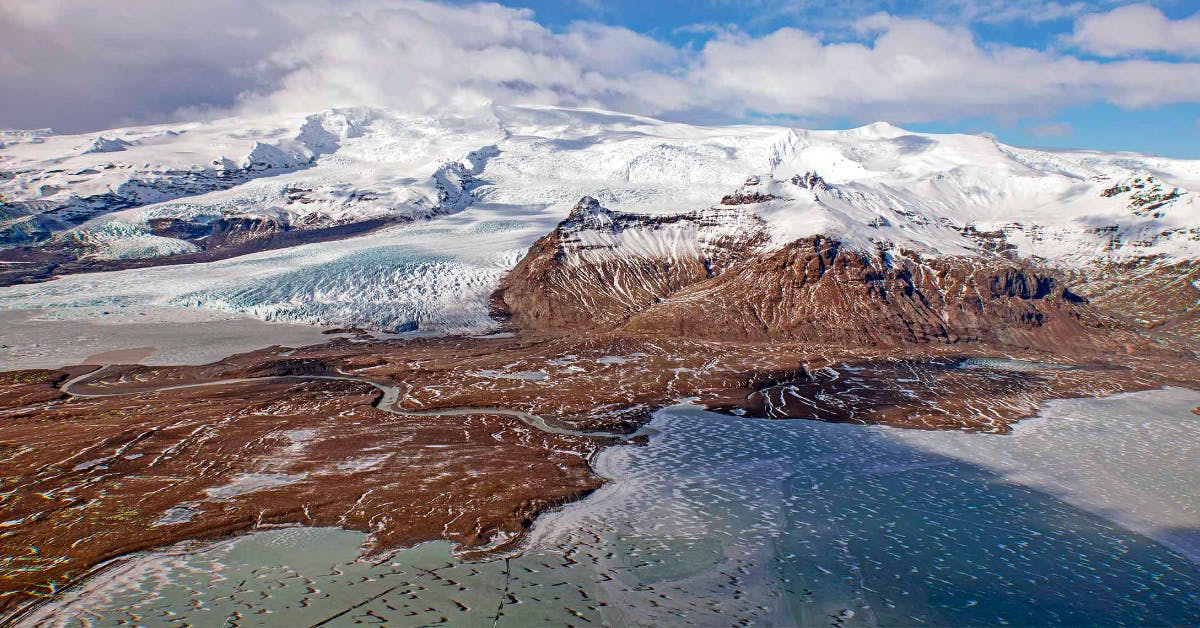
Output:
x,y
726,521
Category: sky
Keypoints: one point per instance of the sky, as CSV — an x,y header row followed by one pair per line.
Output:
x,y
1101,74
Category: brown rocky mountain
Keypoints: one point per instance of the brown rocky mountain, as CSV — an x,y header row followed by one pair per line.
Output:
x,y
598,267
690,275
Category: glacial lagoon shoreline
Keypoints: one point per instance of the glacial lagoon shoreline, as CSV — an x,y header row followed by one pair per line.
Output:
x,y
615,545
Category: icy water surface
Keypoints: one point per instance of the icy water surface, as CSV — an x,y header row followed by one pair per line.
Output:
x,y
723,521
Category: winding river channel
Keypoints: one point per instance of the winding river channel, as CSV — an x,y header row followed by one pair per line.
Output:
x,y
1089,514
389,402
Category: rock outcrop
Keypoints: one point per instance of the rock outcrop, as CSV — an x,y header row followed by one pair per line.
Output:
x,y
599,267
815,290
695,275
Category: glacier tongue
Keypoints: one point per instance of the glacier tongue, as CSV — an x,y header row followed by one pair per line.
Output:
x,y
388,288
118,240
434,276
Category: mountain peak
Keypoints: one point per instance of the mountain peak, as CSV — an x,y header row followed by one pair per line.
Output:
x,y
878,129
588,214
106,145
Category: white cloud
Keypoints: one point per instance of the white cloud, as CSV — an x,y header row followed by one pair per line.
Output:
x,y
88,65
914,70
1136,28
103,62
423,56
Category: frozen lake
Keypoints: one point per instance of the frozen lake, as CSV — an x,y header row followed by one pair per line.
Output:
x,y
1087,515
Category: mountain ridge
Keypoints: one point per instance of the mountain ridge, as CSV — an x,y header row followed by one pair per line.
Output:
x,y
354,172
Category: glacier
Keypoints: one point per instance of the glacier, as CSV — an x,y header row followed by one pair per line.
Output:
x,y
481,189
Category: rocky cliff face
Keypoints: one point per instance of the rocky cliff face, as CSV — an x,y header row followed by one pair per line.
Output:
x,y
1162,298
598,267
713,275
815,290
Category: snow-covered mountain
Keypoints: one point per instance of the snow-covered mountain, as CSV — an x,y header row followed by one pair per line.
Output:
x,y
165,187
483,189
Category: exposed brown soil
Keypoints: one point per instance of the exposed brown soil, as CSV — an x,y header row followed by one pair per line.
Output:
x,y
89,479
122,356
